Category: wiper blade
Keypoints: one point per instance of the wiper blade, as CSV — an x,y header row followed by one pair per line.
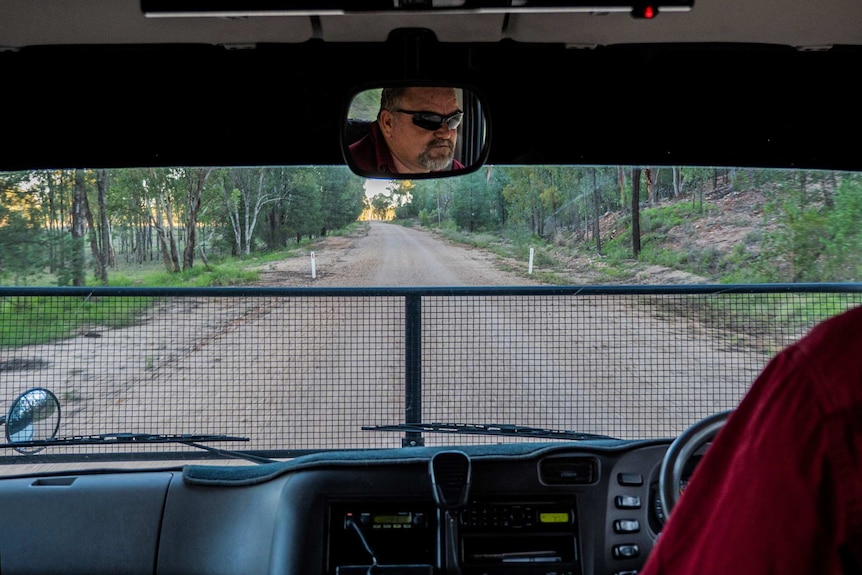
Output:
x,y
102,438
190,439
506,429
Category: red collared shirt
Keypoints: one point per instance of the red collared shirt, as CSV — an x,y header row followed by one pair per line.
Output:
x,y
780,488
371,154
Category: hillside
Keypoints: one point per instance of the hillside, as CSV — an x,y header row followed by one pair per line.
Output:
x,y
731,218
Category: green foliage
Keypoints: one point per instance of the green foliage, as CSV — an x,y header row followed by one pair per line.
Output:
x,y
424,218
810,231
51,318
473,207
741,264
815,233
198,276
659,220
843,245
365,105
23,249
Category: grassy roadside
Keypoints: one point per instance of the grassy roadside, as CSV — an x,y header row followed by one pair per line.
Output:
x,y
562,260
27,320
555,262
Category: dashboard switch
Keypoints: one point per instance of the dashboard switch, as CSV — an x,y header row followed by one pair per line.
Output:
x,y
628,502
626,551
630,479
627,526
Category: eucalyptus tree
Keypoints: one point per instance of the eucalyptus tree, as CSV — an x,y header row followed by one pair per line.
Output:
x,y
129,204
812,231
54,190
527,193
341,196
303,203
195,180
162,187
474,205
381,204
245,193
22,226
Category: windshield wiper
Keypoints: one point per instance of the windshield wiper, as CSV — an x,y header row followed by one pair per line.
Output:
x,y
506,429
190,439
125,438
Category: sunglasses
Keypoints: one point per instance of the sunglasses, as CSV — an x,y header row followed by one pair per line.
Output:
x,y
432,122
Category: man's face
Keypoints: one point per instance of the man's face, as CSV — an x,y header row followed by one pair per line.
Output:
x,y
415,149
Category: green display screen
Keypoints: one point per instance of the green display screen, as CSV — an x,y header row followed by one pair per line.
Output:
x,y
557,517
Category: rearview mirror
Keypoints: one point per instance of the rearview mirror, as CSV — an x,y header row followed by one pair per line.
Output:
x,y
415,131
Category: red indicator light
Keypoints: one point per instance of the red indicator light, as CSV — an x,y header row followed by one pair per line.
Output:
x,y
646,12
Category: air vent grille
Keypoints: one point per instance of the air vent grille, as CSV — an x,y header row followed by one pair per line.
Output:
x,y
568,470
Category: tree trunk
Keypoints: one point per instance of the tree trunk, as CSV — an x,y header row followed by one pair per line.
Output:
x,y
597,229
100,234
621,175
196,181
164,235
107,238
204,257
829,191
98,262
636,214
652,182
79,229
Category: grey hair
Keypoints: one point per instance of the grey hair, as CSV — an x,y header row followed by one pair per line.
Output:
x,y
390,98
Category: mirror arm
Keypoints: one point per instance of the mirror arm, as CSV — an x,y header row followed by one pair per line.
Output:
x,y
413,42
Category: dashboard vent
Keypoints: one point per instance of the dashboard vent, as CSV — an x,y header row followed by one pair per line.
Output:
x,y
568,470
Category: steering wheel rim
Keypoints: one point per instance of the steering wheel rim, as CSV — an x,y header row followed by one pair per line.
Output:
x,y
680,452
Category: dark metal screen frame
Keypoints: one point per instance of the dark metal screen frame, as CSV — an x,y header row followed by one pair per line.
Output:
x,y
413,300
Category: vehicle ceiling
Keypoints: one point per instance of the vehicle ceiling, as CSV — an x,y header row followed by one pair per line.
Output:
x,y
728,82
802,24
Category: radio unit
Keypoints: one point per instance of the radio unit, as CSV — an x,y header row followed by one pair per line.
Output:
x,y
519,539
518,517
401,537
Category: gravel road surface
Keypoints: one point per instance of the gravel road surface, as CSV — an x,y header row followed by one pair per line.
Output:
x,y
310,372
391,255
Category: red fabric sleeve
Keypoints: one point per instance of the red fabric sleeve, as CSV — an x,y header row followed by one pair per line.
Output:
x,y
780,489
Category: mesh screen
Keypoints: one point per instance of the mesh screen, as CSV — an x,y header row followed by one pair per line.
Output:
x,y
296,370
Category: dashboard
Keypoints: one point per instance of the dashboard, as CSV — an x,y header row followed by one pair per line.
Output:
x,y
529,509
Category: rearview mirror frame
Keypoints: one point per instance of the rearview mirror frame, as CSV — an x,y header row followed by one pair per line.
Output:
x,y
373,158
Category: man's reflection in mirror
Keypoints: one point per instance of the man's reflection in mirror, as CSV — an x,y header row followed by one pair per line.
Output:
x,y
415,132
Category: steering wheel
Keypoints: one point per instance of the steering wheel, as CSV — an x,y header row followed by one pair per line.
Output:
x,y
680,452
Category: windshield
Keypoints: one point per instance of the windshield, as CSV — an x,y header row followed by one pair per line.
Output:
x,y
193,313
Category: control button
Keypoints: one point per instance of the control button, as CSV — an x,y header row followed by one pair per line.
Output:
x,y
628,502
629,572
627,526
630,479
627,551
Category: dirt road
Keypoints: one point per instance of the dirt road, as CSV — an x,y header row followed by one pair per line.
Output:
x,y
390,255
309,372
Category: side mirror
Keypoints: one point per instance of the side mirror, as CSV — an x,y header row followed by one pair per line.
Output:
x,y
33,416
415,132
